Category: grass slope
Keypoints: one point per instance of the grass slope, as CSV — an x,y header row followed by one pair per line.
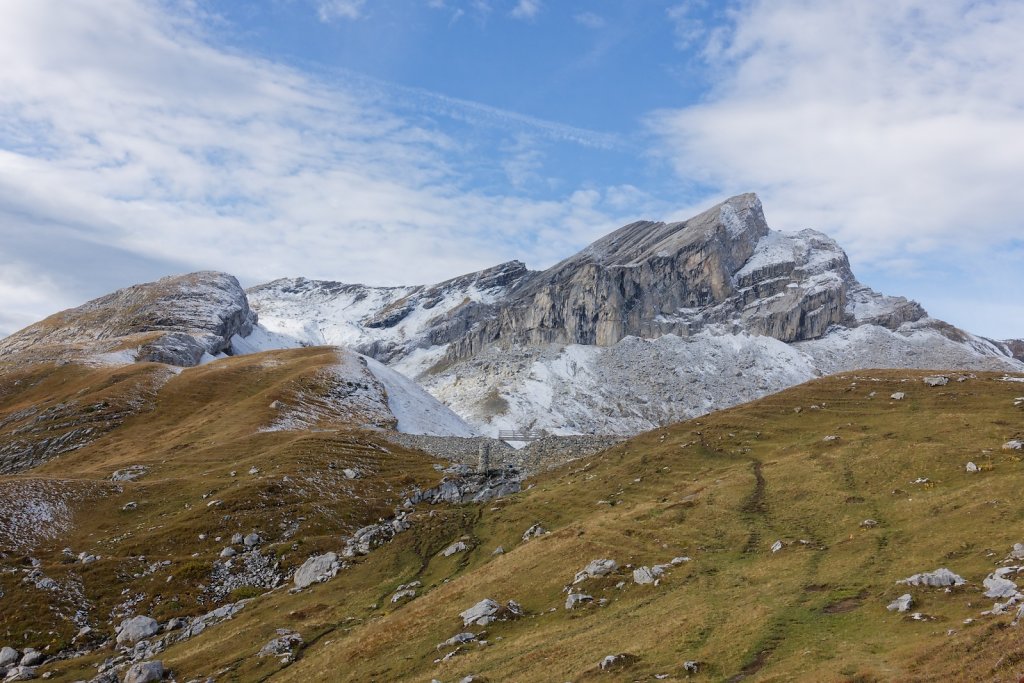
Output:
x,y
721,490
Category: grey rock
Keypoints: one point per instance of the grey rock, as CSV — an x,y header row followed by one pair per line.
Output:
x,y
574,600
21,673
8,656
130,473
316,569
228,552
901,604
596,568
1013,445
939,578
457,639
1017,552
643,576
252,540
611,662
32,658
457,547
691,666
236,539
898,396
145,672
284,644
936,380
534,531
350,473
971,467
999,588
482,613
136,628
404,594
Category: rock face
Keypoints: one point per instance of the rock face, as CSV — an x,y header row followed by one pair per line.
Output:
x,y
174,320
654,323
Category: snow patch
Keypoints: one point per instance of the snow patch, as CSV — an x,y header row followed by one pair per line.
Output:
x,y
417,411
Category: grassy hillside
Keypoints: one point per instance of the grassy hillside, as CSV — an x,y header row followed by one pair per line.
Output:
x,y
720,490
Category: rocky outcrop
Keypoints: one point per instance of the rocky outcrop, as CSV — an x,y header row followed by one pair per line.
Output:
x,y
174,320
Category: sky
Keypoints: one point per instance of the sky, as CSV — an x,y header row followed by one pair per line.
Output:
x,y
408,141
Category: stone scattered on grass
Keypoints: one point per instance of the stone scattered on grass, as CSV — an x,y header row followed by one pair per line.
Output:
x,y
281,646
936,381
621,660
898,396
457,547
939,578
901,604
777,546
574,600
145,672
596,568
316,569
534,531
135,629
971,467
1013,445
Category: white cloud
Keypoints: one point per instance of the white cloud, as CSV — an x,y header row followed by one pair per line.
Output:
x,y
590,20
331,10
526,9
687,25
896,126
126,134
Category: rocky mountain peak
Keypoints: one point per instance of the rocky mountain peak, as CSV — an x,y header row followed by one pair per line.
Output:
x,y
174,320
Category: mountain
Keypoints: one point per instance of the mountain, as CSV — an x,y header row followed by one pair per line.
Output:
x,y
654,323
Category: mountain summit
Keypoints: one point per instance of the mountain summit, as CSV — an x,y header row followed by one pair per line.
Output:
x,y
652,323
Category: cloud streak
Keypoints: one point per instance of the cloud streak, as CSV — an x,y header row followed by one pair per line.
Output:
x,y
897,127
127,134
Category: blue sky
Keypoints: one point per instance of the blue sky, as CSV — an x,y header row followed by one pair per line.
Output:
x,y
407,141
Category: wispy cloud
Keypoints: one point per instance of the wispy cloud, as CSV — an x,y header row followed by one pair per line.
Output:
x,y
526,9
332,10
129,145
896,126
590,20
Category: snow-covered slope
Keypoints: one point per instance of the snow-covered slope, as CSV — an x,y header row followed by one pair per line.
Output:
x,y
652,323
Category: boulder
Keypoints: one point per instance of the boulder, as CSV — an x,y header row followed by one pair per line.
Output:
x,y
228,552
901,604
8,656
898,396
252,540
595,569
145,672
1013,445
137,628
643,575
285,642
939,578
612,662
21,673
574,600
482,613
316,569
971,467
998,588
776,547
457,547
457,639
534,531
406,594
691,666
32,658
936,381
